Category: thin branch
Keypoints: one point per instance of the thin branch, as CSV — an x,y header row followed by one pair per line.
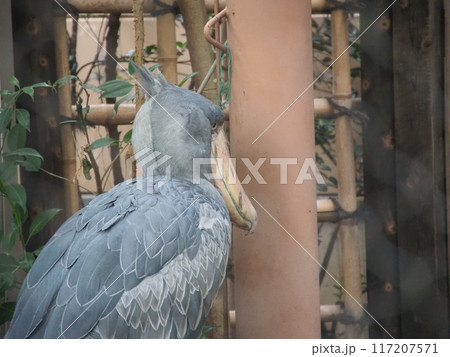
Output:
x,y
94,62
108,170
67,180
91,63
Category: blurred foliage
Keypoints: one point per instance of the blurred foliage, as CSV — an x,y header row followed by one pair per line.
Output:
x,y
324,127
14,128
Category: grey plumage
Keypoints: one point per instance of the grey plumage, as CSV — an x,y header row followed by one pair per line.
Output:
x,y
152,273
175,113
137,263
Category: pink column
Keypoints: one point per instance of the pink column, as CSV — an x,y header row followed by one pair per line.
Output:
x,y
276,281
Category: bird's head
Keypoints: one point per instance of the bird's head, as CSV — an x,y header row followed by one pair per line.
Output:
x,y
186,129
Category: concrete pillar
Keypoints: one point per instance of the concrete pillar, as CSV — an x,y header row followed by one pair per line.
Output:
x,y
276,281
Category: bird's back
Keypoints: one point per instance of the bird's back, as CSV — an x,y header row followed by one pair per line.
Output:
x,y
131,264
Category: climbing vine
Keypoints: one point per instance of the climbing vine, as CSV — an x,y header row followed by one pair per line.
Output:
x,y
14,128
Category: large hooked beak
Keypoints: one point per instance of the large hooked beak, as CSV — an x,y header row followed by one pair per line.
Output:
x,y
242,212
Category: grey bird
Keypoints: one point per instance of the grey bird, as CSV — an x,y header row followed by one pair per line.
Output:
x,y
145,259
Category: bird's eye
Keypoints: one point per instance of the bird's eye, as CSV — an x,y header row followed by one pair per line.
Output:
x,y
214,126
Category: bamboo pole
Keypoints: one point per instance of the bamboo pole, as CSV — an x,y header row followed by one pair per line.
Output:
x,y
342,90
71,197
125,6
212,7
329,211
106,6
324,109
166,40
102,114
320,6
194,16
138,13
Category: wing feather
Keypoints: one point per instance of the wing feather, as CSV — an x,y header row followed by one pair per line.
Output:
x,y
130,264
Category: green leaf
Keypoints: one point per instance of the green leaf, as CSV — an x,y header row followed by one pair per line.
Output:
x,y
151,49
29,152
6,311
28,158
181,44
26,261
29,90
17,137
205,330
22,214
2,235
325,167
129,97
102,142
14,81
5,118
16,193
10,238
79,106
130,67
4,92
41,221
8,170
17,198
333,180
10,98
185,79
91,87
41,84
155,66
32,164
61,81
115,88
8,263
87,166
72,121
127,136
23,117
80,115
7,281
86,109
